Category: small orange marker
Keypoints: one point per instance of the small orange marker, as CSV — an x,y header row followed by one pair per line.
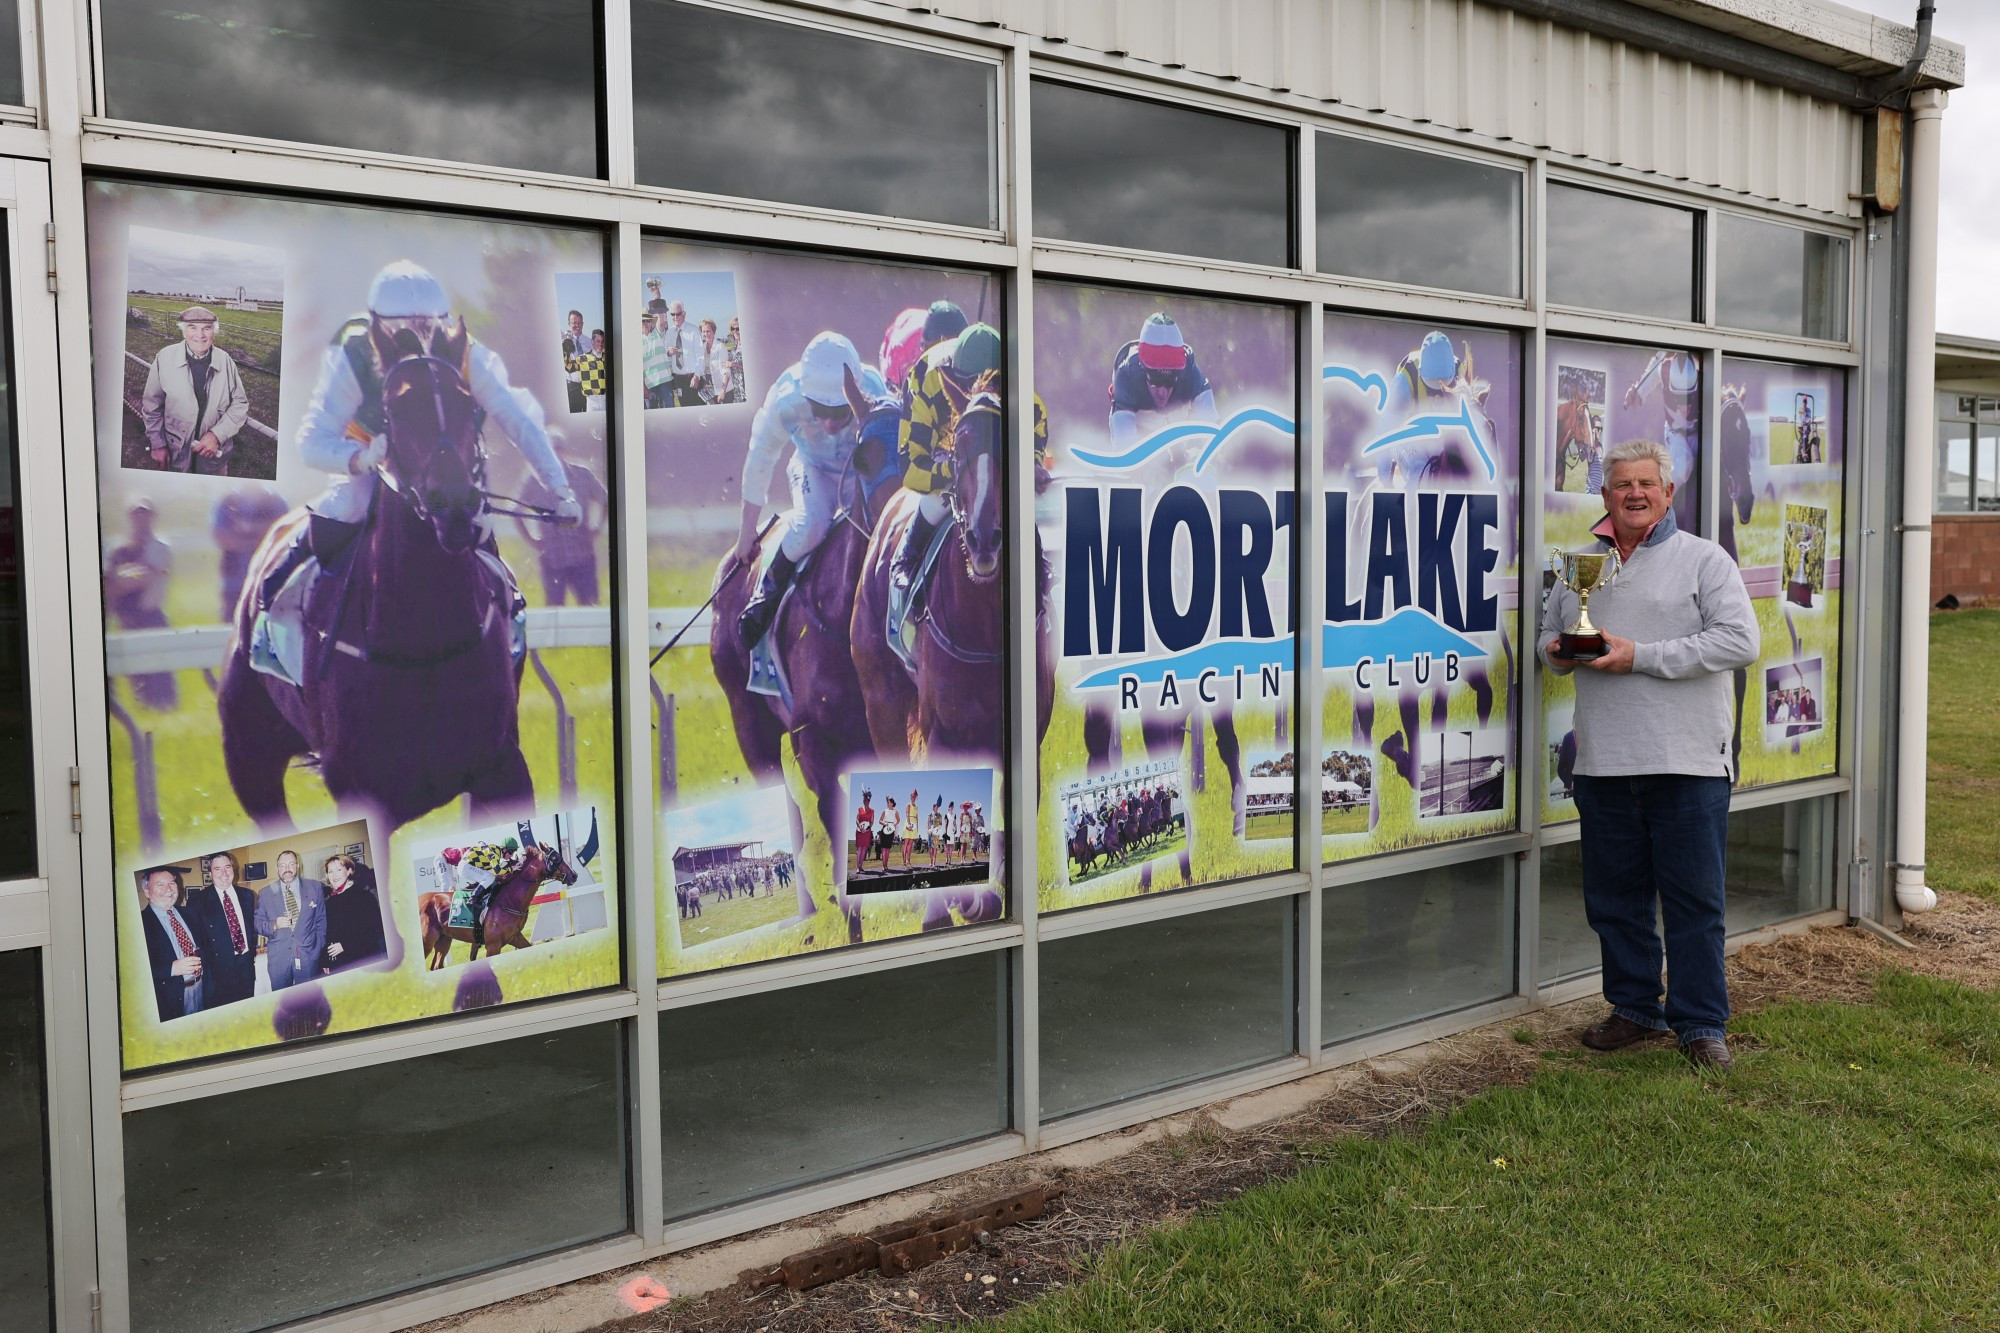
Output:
x,y
644,1294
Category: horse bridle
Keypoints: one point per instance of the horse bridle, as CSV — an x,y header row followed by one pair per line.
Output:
x,y
982,403
412,491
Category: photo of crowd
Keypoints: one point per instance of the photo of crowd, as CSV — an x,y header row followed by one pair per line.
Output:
x,y
246,921
935,836
1793,699
204,346
735,864
1115,820
692,340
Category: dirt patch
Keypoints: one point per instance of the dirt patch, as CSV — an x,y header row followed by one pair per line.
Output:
x,y
1202,1163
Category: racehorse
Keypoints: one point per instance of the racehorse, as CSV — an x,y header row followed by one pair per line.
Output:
x,y
1572,432
506,907
826,718
1734,456
417,617
954,704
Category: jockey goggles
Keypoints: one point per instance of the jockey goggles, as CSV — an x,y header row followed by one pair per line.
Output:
x,y
831,415
1166,377
423,327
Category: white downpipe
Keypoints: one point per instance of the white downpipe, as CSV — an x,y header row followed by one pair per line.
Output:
x,y
1920,216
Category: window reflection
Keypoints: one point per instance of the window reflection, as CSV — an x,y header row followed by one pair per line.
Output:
x,y
510,83
13,89
1143,175
1404,947
1611,252
1779,279
1401,215
732,104
24,1223
17,785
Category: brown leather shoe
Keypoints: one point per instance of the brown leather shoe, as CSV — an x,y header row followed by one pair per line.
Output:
x,y
1709,1053
1617,1032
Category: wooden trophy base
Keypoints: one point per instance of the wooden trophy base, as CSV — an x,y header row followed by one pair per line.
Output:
x,y
1581,647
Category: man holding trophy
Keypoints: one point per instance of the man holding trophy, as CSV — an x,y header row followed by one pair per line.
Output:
x,y
1654,711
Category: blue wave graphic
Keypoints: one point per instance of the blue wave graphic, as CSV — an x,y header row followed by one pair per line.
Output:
x,y
1404,635
1367,381
1187,430
1429,426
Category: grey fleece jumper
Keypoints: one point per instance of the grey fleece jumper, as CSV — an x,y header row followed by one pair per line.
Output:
x,y
1682,602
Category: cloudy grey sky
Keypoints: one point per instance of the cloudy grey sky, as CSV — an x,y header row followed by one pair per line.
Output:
x,y
1968,242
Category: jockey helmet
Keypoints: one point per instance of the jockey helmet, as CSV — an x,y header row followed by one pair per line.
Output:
x,y
820,369
402,290
1160,344
1682,374
976,352
1435,358
452,856
510,846
942,321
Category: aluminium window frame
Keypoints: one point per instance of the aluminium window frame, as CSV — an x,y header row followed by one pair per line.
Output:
x,y
625,212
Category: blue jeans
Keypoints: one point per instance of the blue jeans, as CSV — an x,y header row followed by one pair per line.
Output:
x,y
1658,838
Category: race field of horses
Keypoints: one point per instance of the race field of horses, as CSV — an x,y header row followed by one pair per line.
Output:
x,y
253,338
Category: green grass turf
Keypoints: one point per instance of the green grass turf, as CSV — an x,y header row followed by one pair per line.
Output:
x,y
722,917
1840,1179
1963,846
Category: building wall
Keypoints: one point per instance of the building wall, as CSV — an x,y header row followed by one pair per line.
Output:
x,y
1965,556
1461,65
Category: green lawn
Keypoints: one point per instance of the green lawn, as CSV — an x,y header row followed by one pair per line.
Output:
x,y
1842,1178
1963,850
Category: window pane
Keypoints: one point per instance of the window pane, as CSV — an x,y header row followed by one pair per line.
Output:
x,y
773,1091
24,1168
1405,947
1401,215
863,125
1569,945
1143,175
359,1184
1144,1007
17,779
1782,439
1611,252
1166,521
1954,468
12,89
508,83
1780,279
1779,863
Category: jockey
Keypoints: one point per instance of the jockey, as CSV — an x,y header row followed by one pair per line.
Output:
x,y
962,360
343,430
806,408
1427,378
483,865
910,335
1677,376
1157,373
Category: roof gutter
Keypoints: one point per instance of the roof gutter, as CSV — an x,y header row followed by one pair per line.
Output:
x,y
1903,80
1719,50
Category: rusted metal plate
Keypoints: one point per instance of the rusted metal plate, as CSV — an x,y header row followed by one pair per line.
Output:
x,y
812,1268
928,1247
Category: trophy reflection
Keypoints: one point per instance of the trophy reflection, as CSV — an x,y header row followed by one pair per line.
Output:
x,y
1582,572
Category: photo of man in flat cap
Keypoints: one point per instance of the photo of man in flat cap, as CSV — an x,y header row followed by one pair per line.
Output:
x,y
194,402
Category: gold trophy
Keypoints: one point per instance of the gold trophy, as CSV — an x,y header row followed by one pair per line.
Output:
x,y
1582,572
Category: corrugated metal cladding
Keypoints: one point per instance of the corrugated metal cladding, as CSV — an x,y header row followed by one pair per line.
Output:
x,y
1471,66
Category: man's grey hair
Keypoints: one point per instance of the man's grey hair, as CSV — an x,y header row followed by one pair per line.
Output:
x,y
1640,451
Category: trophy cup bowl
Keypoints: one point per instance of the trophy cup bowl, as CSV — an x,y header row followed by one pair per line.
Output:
x,y
1582,572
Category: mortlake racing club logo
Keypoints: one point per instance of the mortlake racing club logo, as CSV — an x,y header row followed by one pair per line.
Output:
x,y
1397,614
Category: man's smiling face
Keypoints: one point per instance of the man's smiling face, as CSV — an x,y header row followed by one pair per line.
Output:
x,y
1636,497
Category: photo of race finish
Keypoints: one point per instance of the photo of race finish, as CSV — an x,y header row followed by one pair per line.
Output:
x,y
392,635
1171,429
734,864
1464,772
1423,470
203,356
1136,815
1345,804
935,837
827,570
508,886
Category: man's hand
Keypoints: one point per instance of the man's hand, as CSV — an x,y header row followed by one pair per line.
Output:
x,y
1617,657
746,536
569,510
369,456
333,950
160,456
208,446
282,923
187,969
